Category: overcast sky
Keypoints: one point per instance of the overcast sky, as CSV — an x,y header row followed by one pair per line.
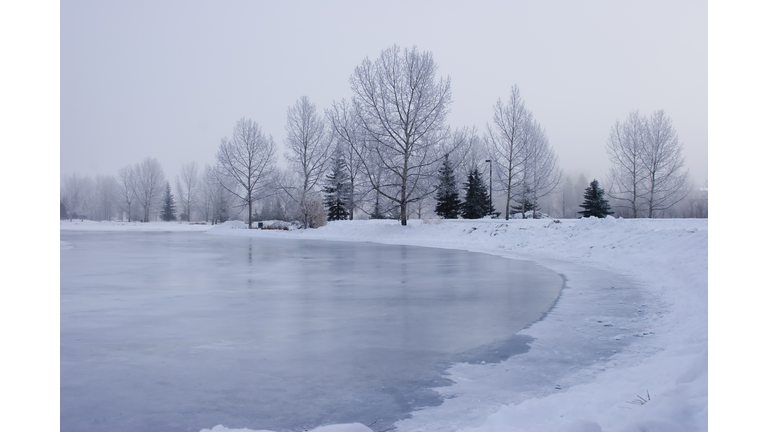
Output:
x,y
169,79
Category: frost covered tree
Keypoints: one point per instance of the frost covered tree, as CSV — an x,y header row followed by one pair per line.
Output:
x,y
168,212
402,106
337,190
77,193
477,202
540,171
126,189
664,164
625,150
149,179
245,163
308,153
104,196
505,140
570,194
647,167
594,203
187,186
448,201
208,185
346,131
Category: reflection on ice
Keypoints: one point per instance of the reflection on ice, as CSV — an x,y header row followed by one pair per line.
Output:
x,y
181,331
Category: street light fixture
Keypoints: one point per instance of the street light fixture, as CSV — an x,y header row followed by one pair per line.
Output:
x,y
490,193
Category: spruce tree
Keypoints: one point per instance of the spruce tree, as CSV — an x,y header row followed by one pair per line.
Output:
x,y
477,202
337,190
594,203
169,206
448,202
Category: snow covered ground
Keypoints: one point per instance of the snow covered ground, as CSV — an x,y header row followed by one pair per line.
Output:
x,y
656,314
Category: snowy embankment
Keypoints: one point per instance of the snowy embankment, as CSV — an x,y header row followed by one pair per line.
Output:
x,y
630,325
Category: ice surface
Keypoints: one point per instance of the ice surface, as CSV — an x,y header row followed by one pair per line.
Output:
x,y
181,331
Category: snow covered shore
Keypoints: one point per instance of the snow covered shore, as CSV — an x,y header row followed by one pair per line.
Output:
x,y
631,323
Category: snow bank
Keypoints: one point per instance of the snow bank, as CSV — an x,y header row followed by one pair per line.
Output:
x,y
228,225
631,356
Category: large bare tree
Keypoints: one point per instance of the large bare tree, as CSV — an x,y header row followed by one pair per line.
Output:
x,y
245,162
647,171
505,141
627,174
664,164
402,106
149,182
308,152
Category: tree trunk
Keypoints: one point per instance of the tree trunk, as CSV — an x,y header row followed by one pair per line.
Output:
x,y
403,199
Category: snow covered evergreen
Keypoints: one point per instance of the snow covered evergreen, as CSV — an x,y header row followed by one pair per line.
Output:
x,y
337,190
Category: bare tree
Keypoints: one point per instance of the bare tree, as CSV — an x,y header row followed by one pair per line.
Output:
x,y
126,189
186,185
627,174
647,171
207,193
570,194
402,107
664,164
308,153
466,151
105,193
540,169
504,138
215,200
349,135
245,162
149,184
77,191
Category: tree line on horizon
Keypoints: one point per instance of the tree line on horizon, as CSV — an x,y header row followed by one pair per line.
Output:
x,y
387,152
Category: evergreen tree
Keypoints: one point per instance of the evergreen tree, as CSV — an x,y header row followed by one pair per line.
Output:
x,y
477,202
448,202
337,190
594,203
169,206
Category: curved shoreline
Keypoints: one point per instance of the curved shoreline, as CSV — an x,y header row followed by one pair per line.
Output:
x,y
666,259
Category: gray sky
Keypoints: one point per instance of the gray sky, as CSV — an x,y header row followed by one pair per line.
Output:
x,y
169,79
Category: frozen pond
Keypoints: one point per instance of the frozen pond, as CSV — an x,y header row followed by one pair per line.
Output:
x,y
184,331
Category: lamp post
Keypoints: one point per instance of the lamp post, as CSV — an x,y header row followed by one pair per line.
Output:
x,y
490,193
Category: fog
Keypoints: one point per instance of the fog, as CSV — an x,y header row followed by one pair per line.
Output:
x,y
169,80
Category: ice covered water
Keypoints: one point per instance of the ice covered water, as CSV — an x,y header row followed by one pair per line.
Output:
x,y
183,331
